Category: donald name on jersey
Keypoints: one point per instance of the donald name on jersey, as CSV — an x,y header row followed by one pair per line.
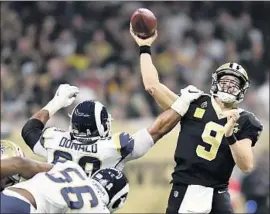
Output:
x,y
55,144
67,143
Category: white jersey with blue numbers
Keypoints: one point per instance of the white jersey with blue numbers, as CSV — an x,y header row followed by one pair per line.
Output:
x,y
65,189
57,144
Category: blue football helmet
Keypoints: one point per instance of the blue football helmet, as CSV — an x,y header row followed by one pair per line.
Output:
x,y
115,184
90,122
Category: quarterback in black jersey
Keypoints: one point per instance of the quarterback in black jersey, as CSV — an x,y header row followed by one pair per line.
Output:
x,y
215,136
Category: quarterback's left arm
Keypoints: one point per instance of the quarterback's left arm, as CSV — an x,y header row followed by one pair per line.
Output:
x,y
241,148
27,168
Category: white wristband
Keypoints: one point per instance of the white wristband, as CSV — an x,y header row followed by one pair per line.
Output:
x,y
180,106
51,107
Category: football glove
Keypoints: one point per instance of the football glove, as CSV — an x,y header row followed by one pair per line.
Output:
x,y
64,96
191,93
188,94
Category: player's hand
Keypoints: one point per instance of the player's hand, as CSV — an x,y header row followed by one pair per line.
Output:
x,y
191,93
188,94
232,117
142,42
65,95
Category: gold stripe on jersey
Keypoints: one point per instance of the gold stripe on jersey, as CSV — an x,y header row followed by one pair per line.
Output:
x,y
217,109
116,140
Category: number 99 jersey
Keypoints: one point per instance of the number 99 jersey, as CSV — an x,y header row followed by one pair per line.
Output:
x,y
202,156
56,144
65,189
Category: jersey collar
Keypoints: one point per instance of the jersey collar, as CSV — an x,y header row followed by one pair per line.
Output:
x,y
220,114
217,108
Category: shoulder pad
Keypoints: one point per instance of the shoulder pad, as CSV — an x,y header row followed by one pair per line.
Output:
x,y
49,132
202,99
249,118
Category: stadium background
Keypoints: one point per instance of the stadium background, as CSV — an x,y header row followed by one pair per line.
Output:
x,y
88,44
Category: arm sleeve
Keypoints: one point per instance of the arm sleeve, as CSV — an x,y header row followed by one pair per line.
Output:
x,y
32,131
251,129
35,136
143,142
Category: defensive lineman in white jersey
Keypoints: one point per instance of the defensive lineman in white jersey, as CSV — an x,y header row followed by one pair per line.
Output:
x,y
89,141
67,189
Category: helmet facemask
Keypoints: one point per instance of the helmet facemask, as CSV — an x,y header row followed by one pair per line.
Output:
x,y
229,86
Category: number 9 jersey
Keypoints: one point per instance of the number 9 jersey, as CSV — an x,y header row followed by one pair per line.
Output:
x,y
55,144
202,156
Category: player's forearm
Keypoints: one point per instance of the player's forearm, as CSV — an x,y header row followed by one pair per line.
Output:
x,y
32,130
29,168
243,156
148,71
163,95
164,124
11,166
25,167
7,167
42,115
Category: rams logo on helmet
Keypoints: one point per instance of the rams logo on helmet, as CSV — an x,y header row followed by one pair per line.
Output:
x,y
90,121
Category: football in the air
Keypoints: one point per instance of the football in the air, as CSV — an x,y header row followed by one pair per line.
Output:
x,y
144,23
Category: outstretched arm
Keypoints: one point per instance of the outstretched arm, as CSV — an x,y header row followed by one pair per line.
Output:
x,y
163,124
32,130
27,168
161,93
141,142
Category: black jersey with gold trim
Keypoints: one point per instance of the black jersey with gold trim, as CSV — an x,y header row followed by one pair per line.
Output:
x,y
202,156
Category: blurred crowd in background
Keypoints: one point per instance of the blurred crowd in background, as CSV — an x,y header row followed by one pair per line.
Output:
x,y
88,44
44,44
